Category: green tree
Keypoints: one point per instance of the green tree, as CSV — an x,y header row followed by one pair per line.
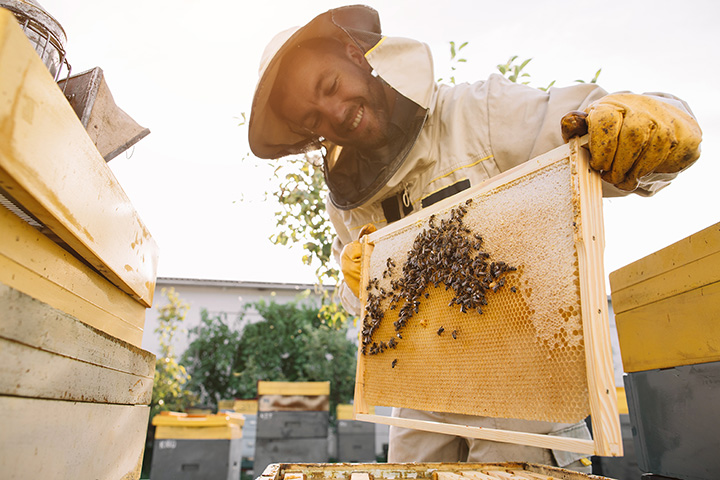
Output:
x,y
294,343
213,358
169,386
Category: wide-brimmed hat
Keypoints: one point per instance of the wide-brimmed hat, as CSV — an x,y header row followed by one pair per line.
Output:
x,y
269,135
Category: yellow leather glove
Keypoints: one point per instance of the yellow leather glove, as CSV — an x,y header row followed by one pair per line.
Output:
x,y
634,135
350,260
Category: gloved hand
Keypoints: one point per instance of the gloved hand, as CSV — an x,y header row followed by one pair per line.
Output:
x,y
350,260
634,135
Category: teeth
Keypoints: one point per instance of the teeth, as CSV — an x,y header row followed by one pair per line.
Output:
x,y
358,117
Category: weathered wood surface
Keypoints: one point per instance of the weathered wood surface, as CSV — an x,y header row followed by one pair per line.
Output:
x,y
33,264
49,354
667,304
50,166
70,440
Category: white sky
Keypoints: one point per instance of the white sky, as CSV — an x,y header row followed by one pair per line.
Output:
x,y
186,69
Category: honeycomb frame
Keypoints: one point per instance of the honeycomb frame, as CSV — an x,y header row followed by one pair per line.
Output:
x,y
537,343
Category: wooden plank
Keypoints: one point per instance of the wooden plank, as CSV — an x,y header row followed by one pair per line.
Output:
x,y
36,324
360,476
26,281
360,404
71,278
590,239
685,251
679,330
293,388
688,276
446,476
33,373
227,432
49,164
533,475
530,439
67,440
475,475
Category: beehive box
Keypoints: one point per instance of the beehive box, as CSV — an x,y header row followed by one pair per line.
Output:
x,y
292,422
77,272
355,440
197,446
421,471
506,277
667,304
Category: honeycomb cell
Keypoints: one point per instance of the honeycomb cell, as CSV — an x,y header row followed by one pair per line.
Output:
x,y
524,356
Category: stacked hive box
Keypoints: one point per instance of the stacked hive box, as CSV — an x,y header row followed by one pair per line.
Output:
x,y
355,440
197,446
77,272
667,308
293,419
249,410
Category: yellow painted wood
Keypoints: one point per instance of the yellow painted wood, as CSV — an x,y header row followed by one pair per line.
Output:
x,y
35,373
679,330
70,440
347,412
202,427
197,421
26,281
686,251
29,248
622,400
695,274
248,407
191,433
293,388
49,165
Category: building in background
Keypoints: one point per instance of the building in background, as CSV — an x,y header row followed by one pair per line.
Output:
x,y
220,297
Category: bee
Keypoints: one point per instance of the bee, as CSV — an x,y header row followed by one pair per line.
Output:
x,y
394,362
440,330
454,334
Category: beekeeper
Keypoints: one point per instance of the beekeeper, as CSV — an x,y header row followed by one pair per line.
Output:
x,y
394,141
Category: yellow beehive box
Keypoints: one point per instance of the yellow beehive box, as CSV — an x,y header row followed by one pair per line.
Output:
x,y
220,426
246,407
69,235
667,304
77,273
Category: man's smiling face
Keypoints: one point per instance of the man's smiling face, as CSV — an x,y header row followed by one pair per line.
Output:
x,y
328,91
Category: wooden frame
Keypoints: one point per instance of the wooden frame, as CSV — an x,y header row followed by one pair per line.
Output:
x,y
589,241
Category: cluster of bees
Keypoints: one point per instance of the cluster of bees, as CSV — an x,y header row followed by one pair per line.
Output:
x,y
447,253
